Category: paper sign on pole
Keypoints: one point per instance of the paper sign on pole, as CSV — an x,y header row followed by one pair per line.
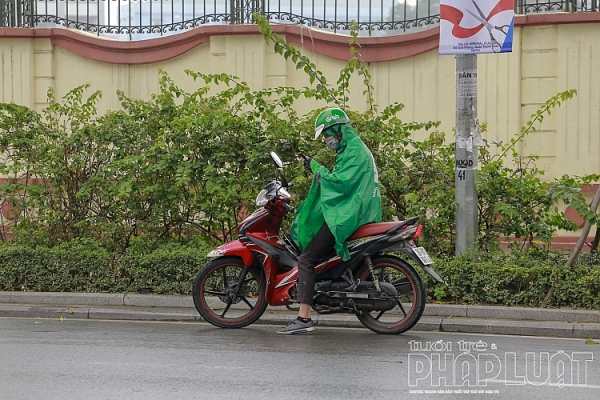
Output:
x,y
476,26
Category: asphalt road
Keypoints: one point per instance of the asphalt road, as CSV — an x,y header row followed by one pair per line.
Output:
x,y
83,359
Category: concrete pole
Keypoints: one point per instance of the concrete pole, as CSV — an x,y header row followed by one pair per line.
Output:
x,y
466,153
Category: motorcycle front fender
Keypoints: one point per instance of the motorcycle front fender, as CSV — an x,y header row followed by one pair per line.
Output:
x,y
234,248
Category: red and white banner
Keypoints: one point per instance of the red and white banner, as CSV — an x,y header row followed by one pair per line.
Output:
x,y
476,26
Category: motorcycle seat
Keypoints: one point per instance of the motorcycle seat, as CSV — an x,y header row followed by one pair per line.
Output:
x,y
374,229
381,228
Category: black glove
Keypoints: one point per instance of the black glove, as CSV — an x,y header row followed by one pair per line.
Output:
x,y
306,161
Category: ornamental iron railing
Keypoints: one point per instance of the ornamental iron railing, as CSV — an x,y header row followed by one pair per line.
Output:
x,y
144,19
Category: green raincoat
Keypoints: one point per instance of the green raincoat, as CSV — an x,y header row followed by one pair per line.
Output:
x,y
345,198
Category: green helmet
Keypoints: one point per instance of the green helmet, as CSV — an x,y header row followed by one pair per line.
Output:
x,y
329,117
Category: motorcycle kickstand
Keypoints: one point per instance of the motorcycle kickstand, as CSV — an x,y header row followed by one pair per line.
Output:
x,y
375,281
347,275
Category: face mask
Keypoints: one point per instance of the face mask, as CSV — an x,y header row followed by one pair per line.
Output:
x,y
331,142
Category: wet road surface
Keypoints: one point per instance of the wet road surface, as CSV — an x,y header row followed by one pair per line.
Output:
x,y
77,359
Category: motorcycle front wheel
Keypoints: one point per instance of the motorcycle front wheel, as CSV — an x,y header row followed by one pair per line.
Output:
x,y
410,303
228,294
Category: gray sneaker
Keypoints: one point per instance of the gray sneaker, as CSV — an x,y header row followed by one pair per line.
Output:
x,y
296,326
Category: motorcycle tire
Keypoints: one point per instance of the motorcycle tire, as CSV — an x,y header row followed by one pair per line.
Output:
x,y
217,300
411,295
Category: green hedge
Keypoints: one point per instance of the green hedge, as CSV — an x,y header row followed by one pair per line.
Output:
x,y
516,279
80,269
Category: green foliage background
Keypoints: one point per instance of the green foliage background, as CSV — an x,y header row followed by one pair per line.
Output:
x,y
132,200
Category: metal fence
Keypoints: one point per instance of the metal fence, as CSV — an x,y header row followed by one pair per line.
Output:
x,y
144,19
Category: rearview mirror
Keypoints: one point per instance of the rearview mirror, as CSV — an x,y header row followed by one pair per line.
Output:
x,y
276,159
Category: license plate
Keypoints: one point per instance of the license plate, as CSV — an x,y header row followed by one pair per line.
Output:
x,y
423,256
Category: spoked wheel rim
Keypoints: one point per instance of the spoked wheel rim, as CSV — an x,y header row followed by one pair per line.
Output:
x,y
221,298
407,303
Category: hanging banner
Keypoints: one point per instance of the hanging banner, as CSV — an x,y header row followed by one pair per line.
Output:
x,y
476,26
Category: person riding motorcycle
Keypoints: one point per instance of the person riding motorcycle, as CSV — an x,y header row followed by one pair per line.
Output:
x,y
338,203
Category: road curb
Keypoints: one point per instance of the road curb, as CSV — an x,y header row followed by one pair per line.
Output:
x,y
184,301
522,321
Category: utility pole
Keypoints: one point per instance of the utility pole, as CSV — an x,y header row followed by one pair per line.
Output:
x,y
461,36
467,140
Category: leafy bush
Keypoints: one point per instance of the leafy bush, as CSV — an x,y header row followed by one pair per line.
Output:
x,y
159,170
520,278
87,268
515,279
58,269
185,166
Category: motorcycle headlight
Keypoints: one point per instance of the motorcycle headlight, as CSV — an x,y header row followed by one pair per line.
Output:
x,y
262,198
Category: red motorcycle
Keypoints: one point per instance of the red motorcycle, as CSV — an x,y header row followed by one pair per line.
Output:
x,y
384,291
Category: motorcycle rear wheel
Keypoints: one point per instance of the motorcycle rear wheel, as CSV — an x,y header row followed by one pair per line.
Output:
x,y
217,298
411,296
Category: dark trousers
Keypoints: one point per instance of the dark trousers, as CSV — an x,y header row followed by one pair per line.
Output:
x,y
309,259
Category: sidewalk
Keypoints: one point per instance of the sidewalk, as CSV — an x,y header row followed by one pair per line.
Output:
x,y
566,323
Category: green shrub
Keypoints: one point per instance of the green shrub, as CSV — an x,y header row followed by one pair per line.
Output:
x,y
186,165
520,278
81,268
514,279
59,269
